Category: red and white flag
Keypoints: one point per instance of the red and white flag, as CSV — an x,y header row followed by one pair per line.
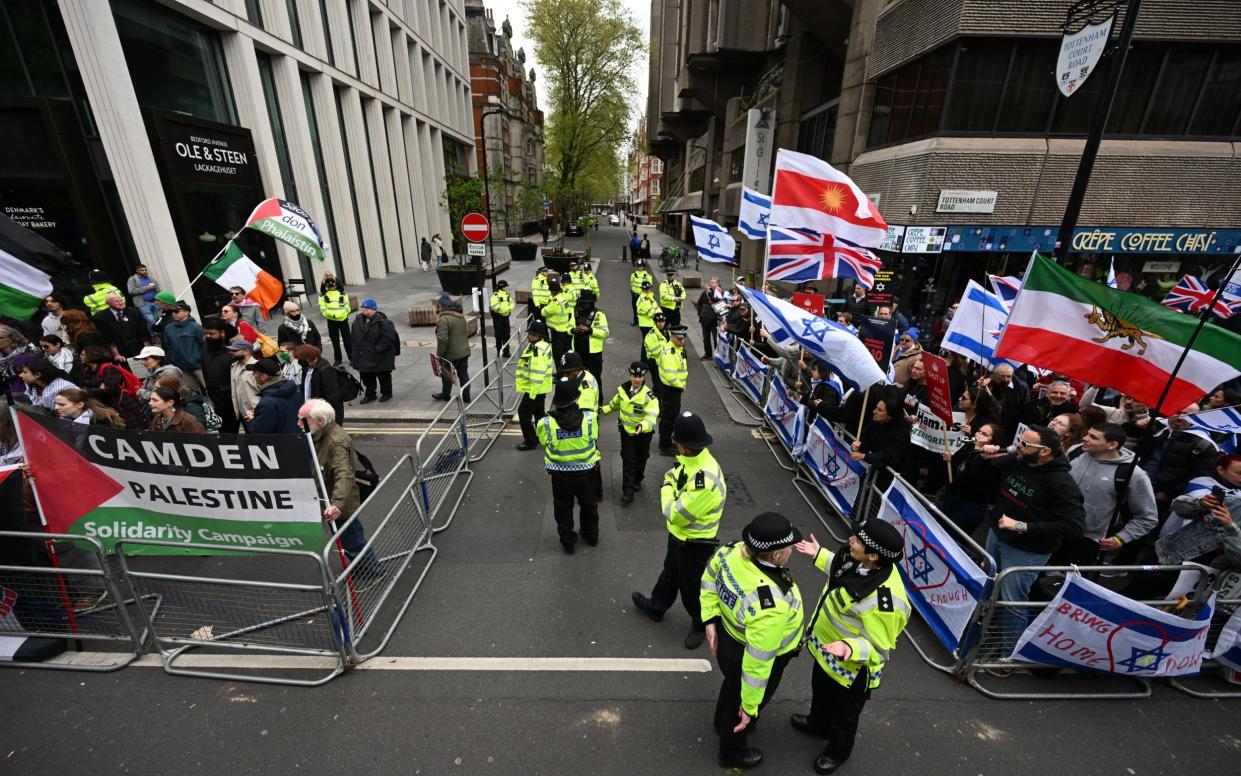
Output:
x,y
809,193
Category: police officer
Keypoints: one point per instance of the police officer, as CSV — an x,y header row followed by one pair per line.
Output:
x,y
533,381
671,297
753,611
652,345
590,332
97,300
539,294
673,373
334,304
501,308
570,438
851,634
588,278
648,306
639,411
575,272
636,279
570,365
692,498
558,315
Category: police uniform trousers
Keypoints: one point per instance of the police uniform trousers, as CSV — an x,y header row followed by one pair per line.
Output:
x,y
635,450
579,487
684,563
673,316
669,409
633,305
504,330
529,411
836,709
642,332
592,361
727,708
532,311
562,342
337,330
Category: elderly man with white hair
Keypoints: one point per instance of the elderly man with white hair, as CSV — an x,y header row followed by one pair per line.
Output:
x,y
122,328
339,462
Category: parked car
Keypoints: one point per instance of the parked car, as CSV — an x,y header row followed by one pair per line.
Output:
x,y
574,229
614,220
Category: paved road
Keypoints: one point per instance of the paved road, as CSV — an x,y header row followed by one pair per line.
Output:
x,y
501,588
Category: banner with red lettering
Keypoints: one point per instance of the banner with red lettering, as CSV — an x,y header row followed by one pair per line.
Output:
x,y
1089,627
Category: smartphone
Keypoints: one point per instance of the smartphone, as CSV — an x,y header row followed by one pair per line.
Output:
x,y
1217,493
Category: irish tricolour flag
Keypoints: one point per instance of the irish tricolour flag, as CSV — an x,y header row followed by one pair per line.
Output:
x,y
1083,329
289,224
234,268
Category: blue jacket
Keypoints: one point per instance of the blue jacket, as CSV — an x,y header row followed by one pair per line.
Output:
x,y
183,344
276,412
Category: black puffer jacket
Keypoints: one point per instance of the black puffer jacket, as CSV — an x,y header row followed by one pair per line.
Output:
x,y
1185,456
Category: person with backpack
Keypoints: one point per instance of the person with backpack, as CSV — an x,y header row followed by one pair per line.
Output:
x,y
321,380
113,385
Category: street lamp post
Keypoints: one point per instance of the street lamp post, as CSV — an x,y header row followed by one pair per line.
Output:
x,y
482,327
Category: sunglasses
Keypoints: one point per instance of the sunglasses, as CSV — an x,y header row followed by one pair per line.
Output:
x,y
1024,443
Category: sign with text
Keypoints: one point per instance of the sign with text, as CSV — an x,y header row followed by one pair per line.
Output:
x,y
238,491
924,239
811,303
760,147
930,432
881,291
879,337
893,239
203,151
476,249
1079,53
787,416
749,373
1161,266
838,476
966,201
938,392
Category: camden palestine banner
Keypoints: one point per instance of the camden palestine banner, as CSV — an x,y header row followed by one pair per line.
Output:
x,y
241,492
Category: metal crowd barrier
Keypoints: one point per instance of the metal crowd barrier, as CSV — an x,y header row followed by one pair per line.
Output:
x,y
72,596
494,398
1206,685
744,399
282,606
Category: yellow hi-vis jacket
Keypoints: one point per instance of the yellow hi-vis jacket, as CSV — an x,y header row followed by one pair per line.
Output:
x,y
671,295
569,450
647,307
654,344
588,395
673,368
639,412
759,606
334,305
692,497
558,312
97,299
535,369
637,279
501,302
539,291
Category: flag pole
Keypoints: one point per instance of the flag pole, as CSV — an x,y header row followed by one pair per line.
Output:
x,y
185,290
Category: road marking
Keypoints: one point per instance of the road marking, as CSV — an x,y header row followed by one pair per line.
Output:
x,y
307,662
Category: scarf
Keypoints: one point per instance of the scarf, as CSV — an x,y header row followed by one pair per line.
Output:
x,y
300,324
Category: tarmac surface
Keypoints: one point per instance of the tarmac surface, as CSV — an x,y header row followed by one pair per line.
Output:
x,y
501,591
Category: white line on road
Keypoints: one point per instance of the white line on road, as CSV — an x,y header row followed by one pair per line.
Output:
x,y
507,664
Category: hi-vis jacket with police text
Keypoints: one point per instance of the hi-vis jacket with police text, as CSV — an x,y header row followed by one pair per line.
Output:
x,y
501,302
535,369
673,367
759,606
870,625
569,449
693,496
639,411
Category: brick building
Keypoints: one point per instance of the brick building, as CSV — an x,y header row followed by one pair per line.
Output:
x,y
645,181
513,141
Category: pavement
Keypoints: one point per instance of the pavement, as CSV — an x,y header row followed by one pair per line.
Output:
x,y
613,695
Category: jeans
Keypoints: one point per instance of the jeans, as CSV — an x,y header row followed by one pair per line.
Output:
x,y
1014,587
150,312
462,368
353,540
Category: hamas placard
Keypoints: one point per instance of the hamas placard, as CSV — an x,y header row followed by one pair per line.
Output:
x,y
239,492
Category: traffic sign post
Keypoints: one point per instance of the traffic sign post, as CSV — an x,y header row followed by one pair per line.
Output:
x,y
476,249
475,227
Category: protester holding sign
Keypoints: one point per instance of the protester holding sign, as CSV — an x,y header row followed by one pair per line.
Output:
x,y
972,492
884,442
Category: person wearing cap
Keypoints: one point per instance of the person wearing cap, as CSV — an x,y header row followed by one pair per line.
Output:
x,y
157,366
673,373
577,277
216,363
243,388
97,299
540,294
671,297
452,347
636,279
569,286
753,613
183,345
851,633
907,352
165,301
375,348
570,439
558,315
588,279
279,400
122,327
571,366
501,308
692,497
535,368
297,328
142,289
638,408
590,332
648,306
334,305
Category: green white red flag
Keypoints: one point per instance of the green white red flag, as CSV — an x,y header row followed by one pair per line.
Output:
x,y
235,268
1083,329
289,224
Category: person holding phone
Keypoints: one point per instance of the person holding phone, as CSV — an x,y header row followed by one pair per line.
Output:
x,y
1206,518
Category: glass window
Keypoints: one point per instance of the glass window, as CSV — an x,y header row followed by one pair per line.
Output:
x,y
175,63
929,99
29,65
254,13
981,69
312,123
1221,100
338,91
1031,91
277,125
903,103
697,178
881,114
295,22
1074,114
1178,89
1134,93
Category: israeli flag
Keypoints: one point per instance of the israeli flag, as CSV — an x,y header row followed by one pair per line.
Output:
x,y
755,213
976,326
826,340
713,241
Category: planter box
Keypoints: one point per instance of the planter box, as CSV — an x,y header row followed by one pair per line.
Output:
x,y
500,266
422,315
520,251
460,280
559,263
692,281
521,295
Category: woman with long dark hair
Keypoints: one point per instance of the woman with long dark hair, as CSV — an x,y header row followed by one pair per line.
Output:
x,y
231,316
109,382
974,484
884,442
80,330
43,381
167,414
979,406
77,406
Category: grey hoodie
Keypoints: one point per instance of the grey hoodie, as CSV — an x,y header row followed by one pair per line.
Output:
x,y
1097,481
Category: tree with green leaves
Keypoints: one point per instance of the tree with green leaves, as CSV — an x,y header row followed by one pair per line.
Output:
x,y
587,48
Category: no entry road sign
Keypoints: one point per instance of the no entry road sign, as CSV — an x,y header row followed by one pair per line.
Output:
x,y
475,227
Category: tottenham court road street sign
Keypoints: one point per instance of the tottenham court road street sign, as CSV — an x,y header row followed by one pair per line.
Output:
x,y
475,227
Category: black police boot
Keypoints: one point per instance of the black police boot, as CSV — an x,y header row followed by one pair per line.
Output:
x,y
627,497
646,607
801,722
694,639
826,764
751,758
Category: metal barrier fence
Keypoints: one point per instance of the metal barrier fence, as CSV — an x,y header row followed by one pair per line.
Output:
x,y
69,594
494,397
1203,685
283,606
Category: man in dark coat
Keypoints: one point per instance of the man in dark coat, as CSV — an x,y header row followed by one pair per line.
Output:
x,y
216,363
122,328
279,400
375,348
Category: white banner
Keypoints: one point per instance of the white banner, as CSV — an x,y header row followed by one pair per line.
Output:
x,y
927,431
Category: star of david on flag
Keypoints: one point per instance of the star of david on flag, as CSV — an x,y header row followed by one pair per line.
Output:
x,y
713,242
755,213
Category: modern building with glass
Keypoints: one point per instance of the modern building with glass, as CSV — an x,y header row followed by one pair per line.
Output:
x,y
145,131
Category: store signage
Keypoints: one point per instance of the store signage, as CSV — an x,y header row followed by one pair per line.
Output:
x,y
924,239
208,154
1161,266
1079,53
30,217
1105,240
966,201
892,241
760,139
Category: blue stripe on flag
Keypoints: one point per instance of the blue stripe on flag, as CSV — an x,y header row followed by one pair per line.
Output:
x,y
972,345
988,300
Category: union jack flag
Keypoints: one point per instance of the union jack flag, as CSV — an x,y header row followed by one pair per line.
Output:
x,y
802,255
1191,295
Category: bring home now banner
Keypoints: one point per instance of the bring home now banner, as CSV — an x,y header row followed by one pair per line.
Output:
x,y
750,373
237,491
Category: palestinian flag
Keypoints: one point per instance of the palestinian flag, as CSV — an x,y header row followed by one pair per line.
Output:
x,y
289,224
1116,339
27,263
234,268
